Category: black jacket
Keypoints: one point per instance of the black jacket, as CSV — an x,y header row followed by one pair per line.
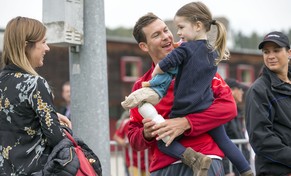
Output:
x,y
268,120
63,160
29,125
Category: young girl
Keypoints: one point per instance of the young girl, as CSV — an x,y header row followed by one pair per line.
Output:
x,y
196,61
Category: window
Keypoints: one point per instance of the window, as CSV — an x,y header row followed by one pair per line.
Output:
x,y
223,70
130,68
245,74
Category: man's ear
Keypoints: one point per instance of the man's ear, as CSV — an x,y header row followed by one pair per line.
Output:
x,y
143,46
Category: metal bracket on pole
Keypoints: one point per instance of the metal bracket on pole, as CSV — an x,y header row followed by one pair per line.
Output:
x,y
75,49
65,24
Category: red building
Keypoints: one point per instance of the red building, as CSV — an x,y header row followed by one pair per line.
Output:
x,y
126,62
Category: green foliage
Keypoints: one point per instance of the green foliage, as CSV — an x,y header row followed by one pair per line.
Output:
x,y
240,40
252,41
119,32
244,41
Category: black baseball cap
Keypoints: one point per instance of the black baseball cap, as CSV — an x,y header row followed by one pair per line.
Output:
x,y
277,37
233,83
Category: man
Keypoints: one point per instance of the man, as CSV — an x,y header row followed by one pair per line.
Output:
x,y
66,95
154,37
131,156
235,129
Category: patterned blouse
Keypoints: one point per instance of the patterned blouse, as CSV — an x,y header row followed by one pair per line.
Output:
x,y
29,126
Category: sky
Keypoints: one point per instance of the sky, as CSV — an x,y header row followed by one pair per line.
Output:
x,y
247,16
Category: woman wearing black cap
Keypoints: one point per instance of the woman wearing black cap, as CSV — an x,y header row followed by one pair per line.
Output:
x,y
268,112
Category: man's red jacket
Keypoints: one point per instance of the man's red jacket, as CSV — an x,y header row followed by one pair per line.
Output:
x,y
222,110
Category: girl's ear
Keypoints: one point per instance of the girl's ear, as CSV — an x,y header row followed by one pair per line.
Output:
x,y
198,25
143,46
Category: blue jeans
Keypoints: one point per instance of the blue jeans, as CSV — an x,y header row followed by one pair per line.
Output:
x,y
180,169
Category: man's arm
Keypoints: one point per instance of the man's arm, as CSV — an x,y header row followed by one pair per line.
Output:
x,y
140,134
222,110
140,130
120,134
120,141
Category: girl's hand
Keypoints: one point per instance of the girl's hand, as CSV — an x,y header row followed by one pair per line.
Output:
x,y
177,44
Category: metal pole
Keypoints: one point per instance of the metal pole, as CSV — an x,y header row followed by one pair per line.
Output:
x,y
89,89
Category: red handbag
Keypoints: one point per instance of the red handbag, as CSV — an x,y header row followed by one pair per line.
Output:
x,y
86,169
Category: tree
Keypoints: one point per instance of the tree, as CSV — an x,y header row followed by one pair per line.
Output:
x,y
121,32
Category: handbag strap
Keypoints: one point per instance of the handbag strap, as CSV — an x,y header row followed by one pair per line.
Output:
x,y
71,138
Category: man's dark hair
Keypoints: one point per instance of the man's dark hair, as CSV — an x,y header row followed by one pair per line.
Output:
x,y
143,21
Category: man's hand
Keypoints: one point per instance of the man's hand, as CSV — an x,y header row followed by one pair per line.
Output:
x,y
171,127
148,129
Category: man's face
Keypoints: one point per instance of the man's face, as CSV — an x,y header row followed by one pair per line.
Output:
x,y
237,94
159,40
66,93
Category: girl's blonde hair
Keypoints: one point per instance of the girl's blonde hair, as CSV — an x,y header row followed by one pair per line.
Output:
x,y
197,11
20,36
